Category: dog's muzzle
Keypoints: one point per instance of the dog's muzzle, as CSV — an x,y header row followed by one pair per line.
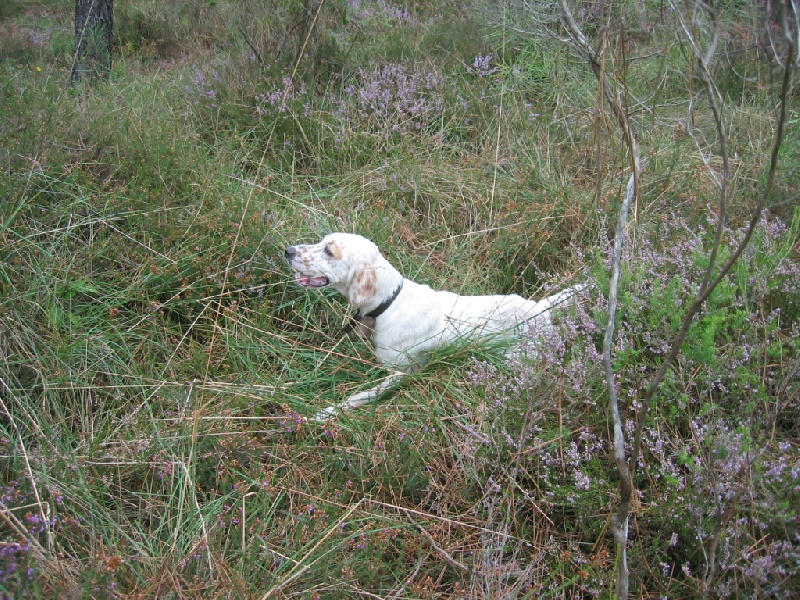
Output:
x,y
300,279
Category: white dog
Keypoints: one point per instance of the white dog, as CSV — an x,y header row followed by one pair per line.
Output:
x,y
405,319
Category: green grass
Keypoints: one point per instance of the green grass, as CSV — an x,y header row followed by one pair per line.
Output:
x,y
157,366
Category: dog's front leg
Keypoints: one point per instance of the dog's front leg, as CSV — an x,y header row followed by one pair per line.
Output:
x,y
359,399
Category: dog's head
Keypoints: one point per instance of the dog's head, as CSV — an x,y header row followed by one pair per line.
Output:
x,y
347,262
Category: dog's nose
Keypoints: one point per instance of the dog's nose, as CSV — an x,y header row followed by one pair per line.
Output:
x,y
290,252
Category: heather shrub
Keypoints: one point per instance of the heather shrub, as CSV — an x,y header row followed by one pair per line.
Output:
x,y
203,97
719,472
286,113
375,31
391,105
375,114
377,14
17,557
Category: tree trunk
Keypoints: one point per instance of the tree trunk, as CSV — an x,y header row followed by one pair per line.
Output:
x,y
94,39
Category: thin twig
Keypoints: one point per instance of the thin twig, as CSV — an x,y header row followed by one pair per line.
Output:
x,y
258,56
449,559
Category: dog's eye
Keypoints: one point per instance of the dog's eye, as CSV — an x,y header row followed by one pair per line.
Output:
x,y
328,250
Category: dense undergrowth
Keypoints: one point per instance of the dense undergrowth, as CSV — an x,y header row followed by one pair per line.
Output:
x,y
157,365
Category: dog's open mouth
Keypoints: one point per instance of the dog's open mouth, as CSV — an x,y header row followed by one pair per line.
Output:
x,y
310,282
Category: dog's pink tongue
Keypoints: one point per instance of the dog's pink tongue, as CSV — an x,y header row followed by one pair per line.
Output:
x,y
311,281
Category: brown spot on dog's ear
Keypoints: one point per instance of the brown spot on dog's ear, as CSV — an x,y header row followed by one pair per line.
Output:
x,y
333,250
363,286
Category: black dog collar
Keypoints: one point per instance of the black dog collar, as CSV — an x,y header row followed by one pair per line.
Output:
x,y
373,314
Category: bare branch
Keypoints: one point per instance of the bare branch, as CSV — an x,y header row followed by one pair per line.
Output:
x,y
619,522
712,94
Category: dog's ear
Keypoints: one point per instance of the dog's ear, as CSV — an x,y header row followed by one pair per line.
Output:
x,y
363,285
